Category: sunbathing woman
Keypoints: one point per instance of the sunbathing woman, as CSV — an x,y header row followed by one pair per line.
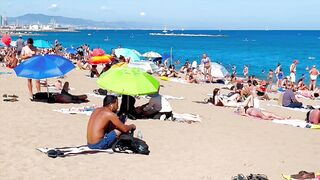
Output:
x,y
264,115
230,101
313,116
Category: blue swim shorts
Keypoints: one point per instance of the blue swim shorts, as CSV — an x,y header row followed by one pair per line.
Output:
x,y
106,142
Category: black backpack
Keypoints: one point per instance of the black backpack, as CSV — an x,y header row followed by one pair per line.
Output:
x,y
127,142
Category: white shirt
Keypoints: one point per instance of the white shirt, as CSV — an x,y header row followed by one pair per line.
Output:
x,y
158,103
194,64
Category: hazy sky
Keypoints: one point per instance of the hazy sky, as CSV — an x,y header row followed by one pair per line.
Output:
x,y
208,14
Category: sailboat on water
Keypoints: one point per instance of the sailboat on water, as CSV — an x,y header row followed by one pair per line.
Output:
x,y
165,29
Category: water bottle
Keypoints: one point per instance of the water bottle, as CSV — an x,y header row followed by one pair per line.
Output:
x,y
139,135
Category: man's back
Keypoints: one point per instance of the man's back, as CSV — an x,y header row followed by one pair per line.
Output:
x,y
288,97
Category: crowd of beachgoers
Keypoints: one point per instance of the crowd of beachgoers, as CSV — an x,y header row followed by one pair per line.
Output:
x,y
246,91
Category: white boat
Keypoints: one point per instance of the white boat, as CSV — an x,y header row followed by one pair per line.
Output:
x,y
165,29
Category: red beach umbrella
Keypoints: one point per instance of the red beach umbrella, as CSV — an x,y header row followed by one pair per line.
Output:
x,y
98,52
6,39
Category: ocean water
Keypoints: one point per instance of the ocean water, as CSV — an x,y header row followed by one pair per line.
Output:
x,y
260,50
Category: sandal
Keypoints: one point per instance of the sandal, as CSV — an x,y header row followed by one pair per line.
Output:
x,y
239,177
257,177
53,153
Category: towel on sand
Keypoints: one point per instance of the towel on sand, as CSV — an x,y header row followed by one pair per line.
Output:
x,y
292,109
189,118
71,151
87,110
297,123
168,97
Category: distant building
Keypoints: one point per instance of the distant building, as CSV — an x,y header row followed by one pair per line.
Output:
x,y
5,21
1,20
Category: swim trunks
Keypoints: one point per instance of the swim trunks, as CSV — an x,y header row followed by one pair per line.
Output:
x,y
106,142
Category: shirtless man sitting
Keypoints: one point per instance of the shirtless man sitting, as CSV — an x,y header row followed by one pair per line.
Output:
x,y
105,126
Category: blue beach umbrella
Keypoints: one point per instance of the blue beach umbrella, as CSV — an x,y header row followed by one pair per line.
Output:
x,y
128,53
42,44
71,51
44,66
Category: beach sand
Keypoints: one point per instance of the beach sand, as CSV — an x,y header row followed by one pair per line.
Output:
x,y
221,146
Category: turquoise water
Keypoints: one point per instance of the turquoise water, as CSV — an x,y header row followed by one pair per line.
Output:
x,y
261,50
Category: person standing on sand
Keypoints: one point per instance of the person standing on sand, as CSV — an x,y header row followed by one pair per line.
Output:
x,y
245,71
20,44
293,71
206,62
27,52
270,78
314,73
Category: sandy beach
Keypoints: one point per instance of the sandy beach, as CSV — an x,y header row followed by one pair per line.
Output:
x,y
221,146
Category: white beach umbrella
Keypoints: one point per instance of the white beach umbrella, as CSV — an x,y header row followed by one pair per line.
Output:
x,y
151,54
217,70
145,66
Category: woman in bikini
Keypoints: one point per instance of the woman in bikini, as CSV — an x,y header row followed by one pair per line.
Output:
x,y
264,115
230,101
206,67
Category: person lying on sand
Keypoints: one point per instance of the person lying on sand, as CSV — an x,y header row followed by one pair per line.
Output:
x,y
264,115
230,101
313,116
104,125
66,97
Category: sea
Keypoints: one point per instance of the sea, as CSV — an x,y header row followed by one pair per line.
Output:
x,y
260,50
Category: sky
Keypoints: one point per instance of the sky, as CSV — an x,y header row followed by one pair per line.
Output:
x,y
187,14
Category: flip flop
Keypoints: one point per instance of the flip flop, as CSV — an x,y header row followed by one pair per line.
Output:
x,y
53,153
239,177
257,177
11,100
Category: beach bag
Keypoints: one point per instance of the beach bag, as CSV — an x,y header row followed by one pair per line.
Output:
x,y
127,142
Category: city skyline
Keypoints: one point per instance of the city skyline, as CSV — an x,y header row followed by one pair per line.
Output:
x,y
230,14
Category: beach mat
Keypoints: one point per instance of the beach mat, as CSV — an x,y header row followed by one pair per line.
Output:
x,y
72,151
297,123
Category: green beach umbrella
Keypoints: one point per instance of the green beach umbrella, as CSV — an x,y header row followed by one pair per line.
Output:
x,y
128,81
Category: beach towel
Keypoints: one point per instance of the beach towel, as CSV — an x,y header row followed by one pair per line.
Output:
x,y
96,95
168,97
297,123
71,151
292,109
5,73
87,110
178,80
189,118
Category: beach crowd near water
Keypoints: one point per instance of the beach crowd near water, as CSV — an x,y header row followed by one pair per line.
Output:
x,y
242,91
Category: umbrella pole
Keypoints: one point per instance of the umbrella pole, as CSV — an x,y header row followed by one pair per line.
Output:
x,y
47,87
171,55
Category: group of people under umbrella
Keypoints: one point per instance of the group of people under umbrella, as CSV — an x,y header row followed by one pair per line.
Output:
x,y
120,79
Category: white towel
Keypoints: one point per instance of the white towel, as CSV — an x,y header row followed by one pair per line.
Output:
x,y
69,151
74,110
293,122
186,117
